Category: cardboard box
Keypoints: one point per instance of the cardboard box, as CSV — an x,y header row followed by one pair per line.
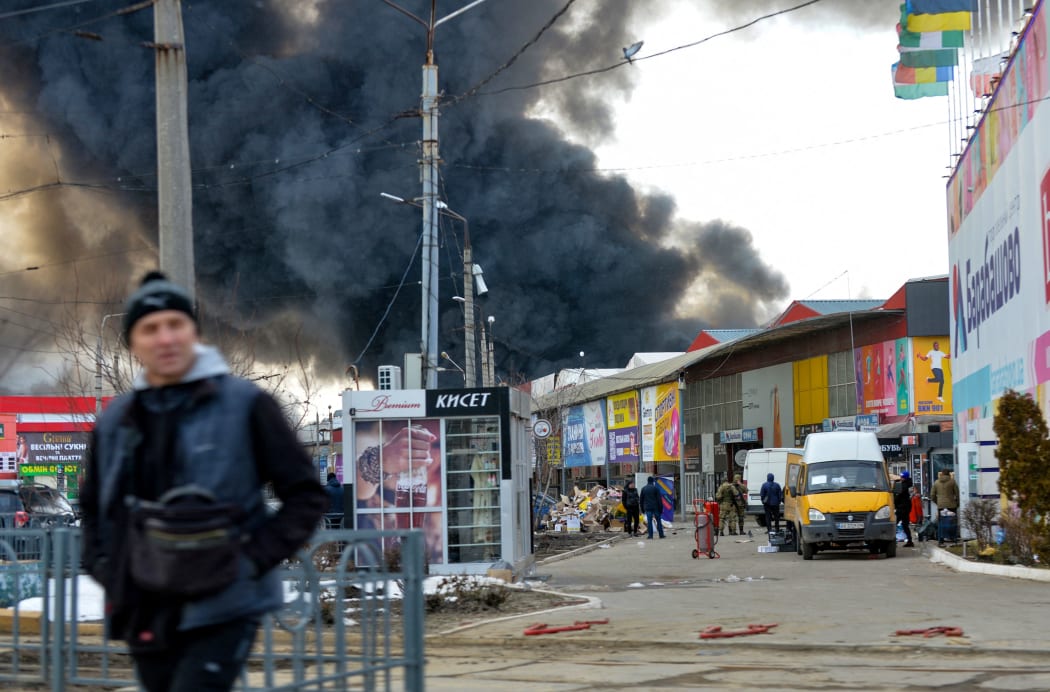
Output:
x,y
504,574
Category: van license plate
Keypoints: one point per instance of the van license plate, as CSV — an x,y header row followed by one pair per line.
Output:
x,y
850,525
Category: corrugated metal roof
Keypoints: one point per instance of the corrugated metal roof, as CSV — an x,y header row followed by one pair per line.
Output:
x,y
830,307
667,370
727,335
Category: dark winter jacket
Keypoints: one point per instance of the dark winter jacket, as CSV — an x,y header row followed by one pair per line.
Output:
x,y
902,497
228,437
630,499
335,496
771,493
650,498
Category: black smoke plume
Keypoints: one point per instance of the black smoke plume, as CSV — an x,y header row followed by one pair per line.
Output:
x,y
295,131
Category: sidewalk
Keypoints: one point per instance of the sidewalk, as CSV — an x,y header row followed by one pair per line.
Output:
x,y
834,601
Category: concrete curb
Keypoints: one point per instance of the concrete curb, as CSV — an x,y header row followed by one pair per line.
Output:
x,y
943,557
590,602
580,551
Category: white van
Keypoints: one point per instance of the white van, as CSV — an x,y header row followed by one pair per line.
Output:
x,y
757,464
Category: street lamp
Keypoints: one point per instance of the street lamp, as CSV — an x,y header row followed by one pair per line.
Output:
x,y
446,356
98,362
470,270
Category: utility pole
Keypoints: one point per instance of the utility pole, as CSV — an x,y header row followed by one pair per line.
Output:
x,y
98,362
174,195
429,163
468,308
485,381
492,353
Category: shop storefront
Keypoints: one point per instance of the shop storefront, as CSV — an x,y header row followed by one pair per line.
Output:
x,y
452,463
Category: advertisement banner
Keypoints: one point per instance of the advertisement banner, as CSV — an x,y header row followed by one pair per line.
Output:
x,y
51,453
584,440
666,486
999,247
902,375
398,464
624,431
661,427
876,378
768,403
933,380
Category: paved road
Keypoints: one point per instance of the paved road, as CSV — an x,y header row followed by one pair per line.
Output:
x,y
836,616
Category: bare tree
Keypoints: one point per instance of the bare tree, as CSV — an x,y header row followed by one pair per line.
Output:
x,y
94,360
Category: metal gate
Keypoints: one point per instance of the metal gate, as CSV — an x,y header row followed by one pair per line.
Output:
x,y
353,616
692,489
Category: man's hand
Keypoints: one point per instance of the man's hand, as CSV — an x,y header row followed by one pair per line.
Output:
x,y
409,447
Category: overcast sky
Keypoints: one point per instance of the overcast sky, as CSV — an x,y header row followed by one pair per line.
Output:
x,y
859,208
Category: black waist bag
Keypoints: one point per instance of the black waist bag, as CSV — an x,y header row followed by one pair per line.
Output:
x,y
185,544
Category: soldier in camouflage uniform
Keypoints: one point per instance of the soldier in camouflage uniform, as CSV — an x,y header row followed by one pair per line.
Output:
x,y
727,508
741,501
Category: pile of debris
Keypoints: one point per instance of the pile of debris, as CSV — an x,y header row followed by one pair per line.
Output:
x,y
595,510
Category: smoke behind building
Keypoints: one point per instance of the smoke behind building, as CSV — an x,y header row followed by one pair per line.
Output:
x,y
294,133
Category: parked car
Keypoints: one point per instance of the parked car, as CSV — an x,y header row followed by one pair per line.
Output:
x,y
30,506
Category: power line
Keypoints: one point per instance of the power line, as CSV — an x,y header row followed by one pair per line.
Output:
x,y
130,9
408,268
44,8
624,62
85,258
528,44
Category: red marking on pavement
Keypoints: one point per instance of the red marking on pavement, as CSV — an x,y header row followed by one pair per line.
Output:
x,y
542,628
716,632
931,632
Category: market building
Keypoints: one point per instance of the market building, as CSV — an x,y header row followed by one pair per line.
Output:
x,y
45,439
999,253
820,365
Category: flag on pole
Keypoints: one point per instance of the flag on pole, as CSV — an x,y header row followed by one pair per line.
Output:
x,y
923,75
940,6
948,21
910,40
916,91
985,74
942,57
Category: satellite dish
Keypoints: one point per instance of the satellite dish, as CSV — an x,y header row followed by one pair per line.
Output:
x,y
631,50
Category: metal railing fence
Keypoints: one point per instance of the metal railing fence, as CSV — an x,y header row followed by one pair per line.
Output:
x,y
352,618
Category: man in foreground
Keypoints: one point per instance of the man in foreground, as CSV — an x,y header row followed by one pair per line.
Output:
x,y
186,454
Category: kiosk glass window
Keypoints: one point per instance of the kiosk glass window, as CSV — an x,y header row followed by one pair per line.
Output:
x,y
398,480
472,453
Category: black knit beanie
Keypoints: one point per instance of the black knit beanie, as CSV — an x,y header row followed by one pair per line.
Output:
x,y
155,293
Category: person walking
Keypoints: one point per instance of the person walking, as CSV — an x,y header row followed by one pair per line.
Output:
x,y
334,516
631,505
945,494
189,436
902,505
771,495
653,506
726,498
916,506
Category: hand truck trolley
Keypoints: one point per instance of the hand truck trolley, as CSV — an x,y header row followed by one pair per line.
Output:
x,y
706,536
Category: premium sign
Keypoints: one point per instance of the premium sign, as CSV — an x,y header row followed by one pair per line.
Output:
x,y
396,403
